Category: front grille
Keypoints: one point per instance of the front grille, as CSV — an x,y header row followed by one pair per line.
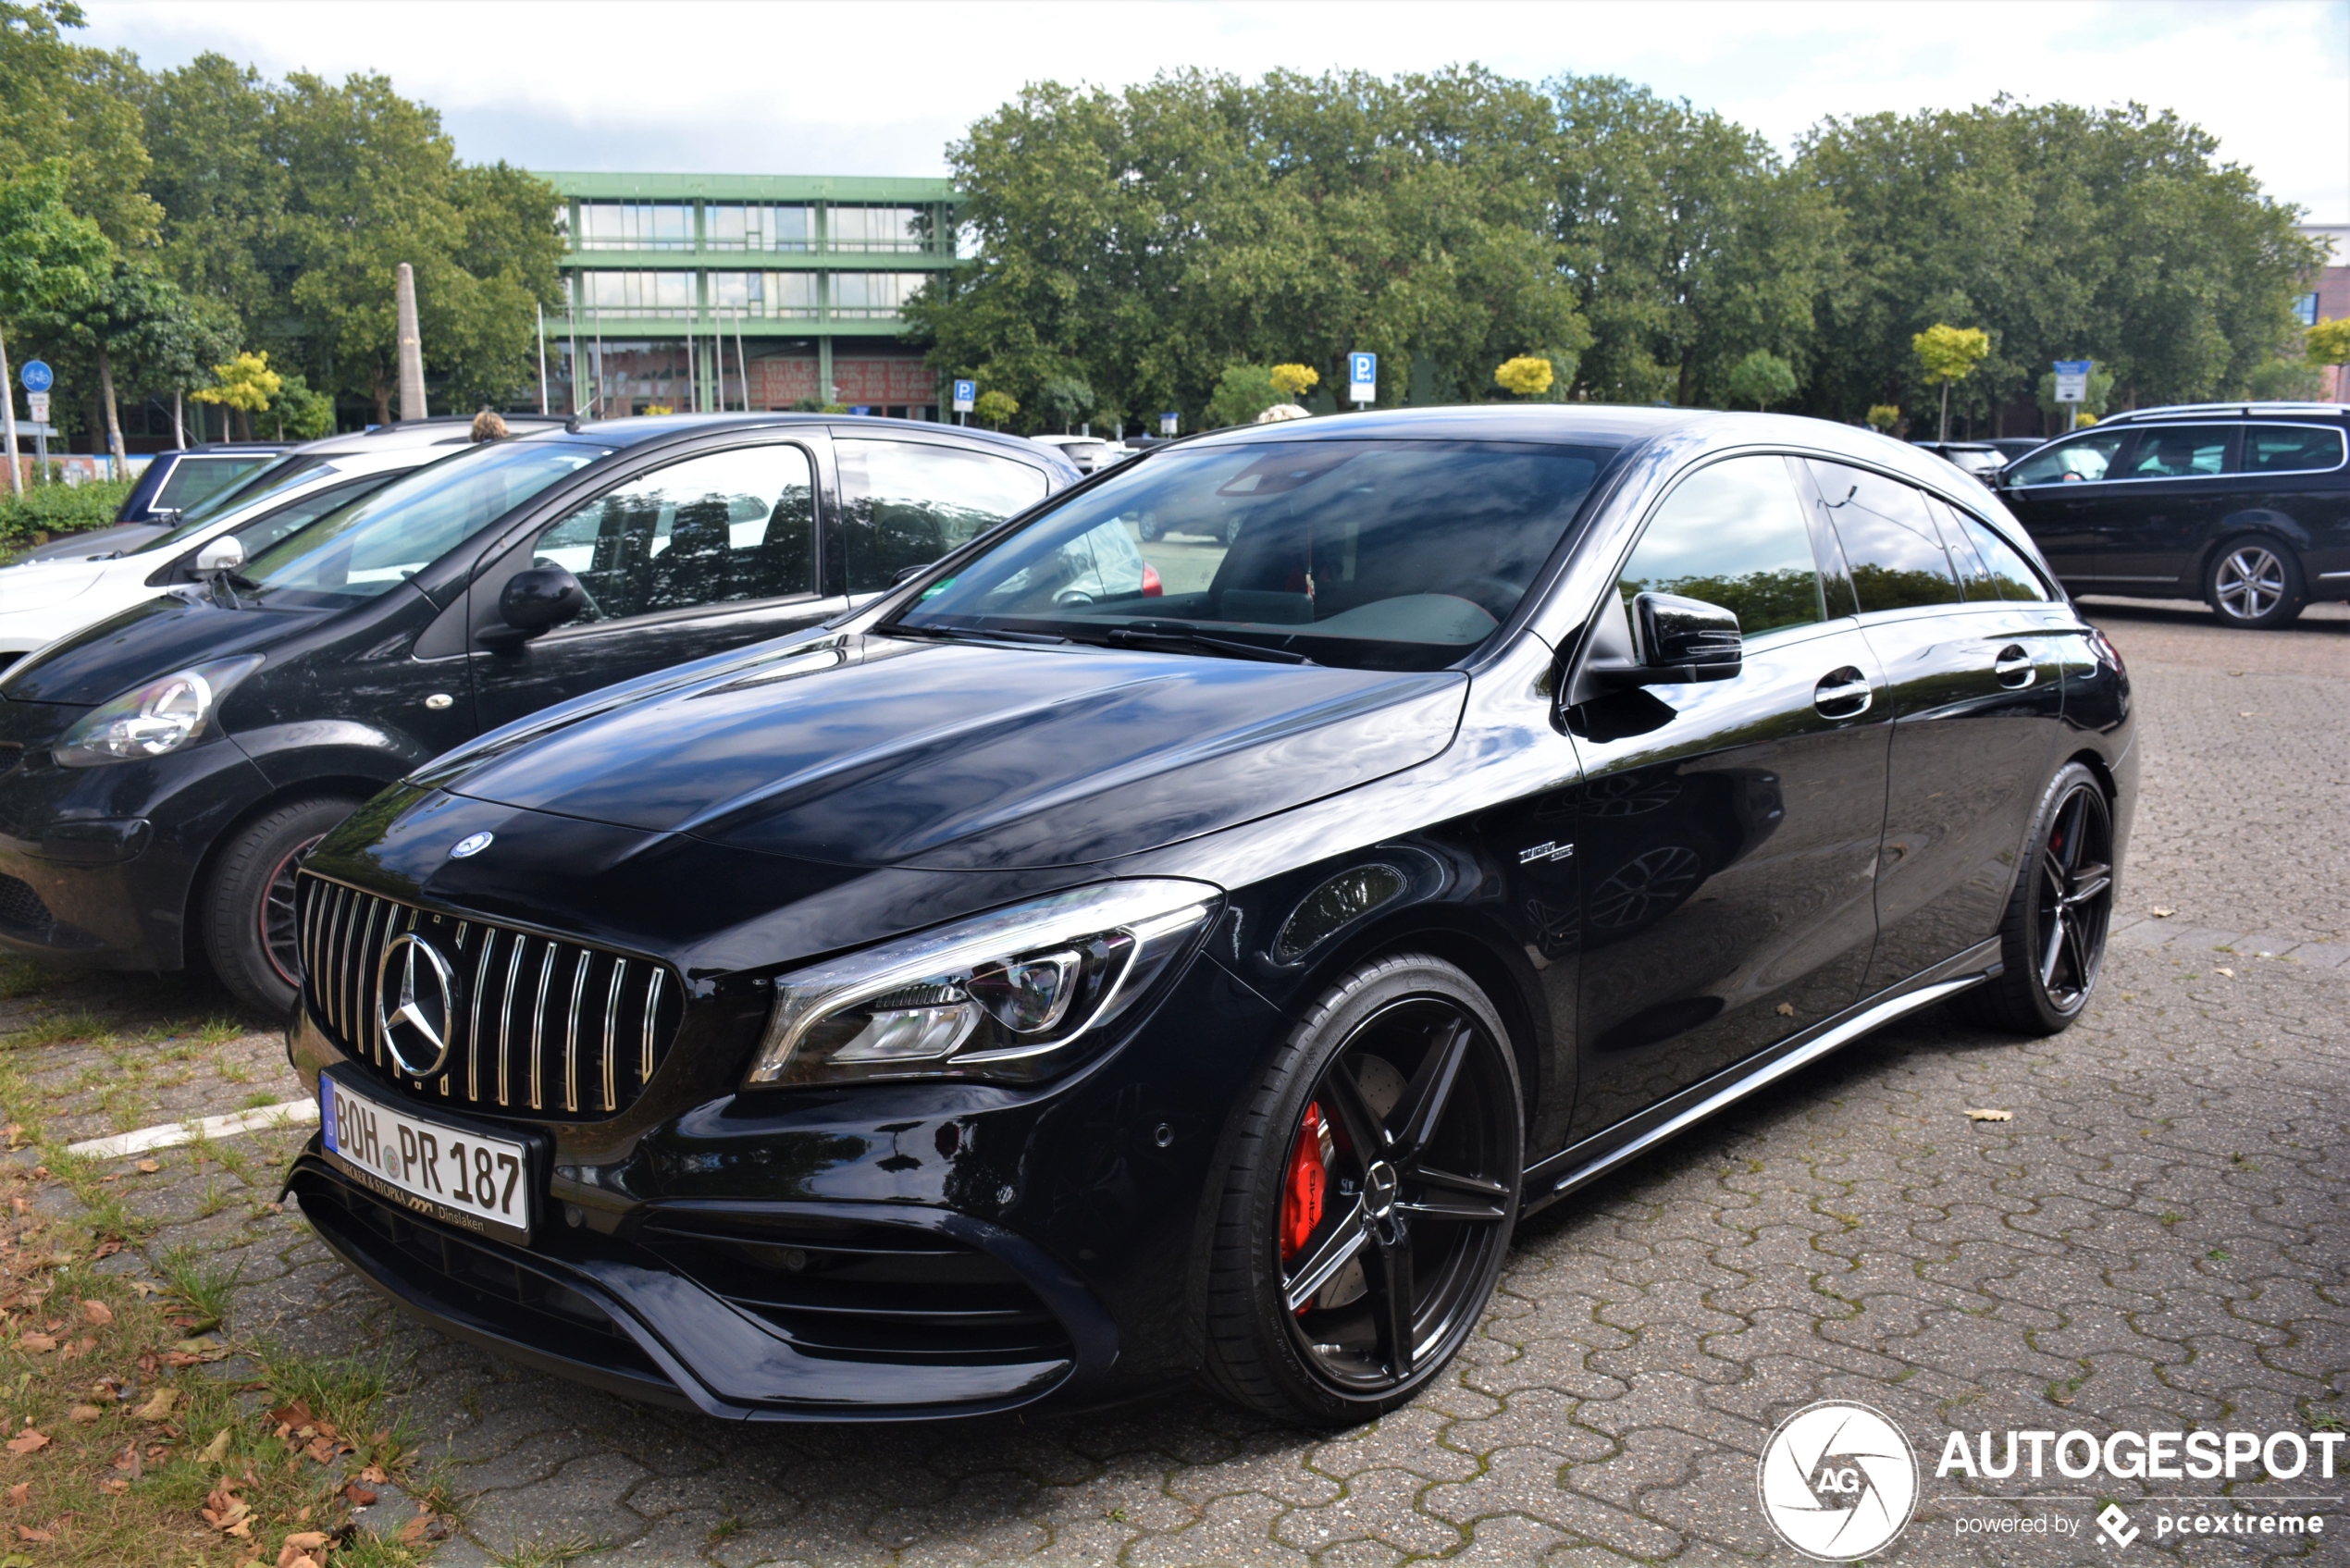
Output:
x,y
864,1292
20,906
554,1029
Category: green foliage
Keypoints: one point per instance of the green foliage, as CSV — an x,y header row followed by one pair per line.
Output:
x,y
1243,392
1065,401
65,103
300,413
2329,342
1526,376
1949,353
2286,380
52,261
58,509
1760,378
995,407
1883,417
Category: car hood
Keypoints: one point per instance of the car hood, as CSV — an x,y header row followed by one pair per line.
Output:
x,y
38,585
151,639
965,757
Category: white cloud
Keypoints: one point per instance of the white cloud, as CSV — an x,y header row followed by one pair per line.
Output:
x,y
881,89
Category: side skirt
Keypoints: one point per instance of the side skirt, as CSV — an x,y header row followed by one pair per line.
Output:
x,y
1583,1163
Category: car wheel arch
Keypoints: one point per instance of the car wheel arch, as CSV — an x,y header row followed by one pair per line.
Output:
x,y
356,788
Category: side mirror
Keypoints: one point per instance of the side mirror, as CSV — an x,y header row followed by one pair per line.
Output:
x,y
1686,639
223,554
534,601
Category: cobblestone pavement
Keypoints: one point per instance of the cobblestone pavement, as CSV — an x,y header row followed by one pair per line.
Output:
x,y
2159,1238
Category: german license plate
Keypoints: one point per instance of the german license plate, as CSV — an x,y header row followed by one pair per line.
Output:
x,y
449,1172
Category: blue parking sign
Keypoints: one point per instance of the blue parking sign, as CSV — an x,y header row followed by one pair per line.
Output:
x,y
966,396
37,377
1362,378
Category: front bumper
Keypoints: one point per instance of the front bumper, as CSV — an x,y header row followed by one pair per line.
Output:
x,y
96,864
886,1253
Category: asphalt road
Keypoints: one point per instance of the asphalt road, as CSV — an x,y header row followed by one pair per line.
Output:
x,y
2159,1238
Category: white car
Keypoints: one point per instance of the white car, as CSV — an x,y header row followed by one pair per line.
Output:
x,y
42,601
1091,453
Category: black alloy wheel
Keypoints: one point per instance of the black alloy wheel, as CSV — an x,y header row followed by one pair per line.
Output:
x,y
2053,939
2256,584
243,911
1370,1198
279,933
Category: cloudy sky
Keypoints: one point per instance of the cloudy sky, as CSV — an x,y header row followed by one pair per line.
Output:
x,y
879,87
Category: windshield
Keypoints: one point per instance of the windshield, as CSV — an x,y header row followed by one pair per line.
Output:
x,y
383,539
1395,555
267,481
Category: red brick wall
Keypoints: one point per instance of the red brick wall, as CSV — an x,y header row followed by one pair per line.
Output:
x,y
779,383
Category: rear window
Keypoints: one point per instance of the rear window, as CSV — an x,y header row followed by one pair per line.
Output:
x,y
192,479
1366,554
2176,451
2276,449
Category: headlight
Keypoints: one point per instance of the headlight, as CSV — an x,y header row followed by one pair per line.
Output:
x,y
1017,995
151,720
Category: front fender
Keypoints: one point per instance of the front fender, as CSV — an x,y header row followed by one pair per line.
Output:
x,y
333,748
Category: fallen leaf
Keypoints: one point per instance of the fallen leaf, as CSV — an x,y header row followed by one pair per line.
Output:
x,y
321,1449
425,1526
373,1476
97,1313
203,1349
2162,914
305,1540
148,1168
159,1407
128,1460
115,1484
107,1248
17,1493
1990,1116
27,1533
29,1440
216,1451
359,1496
36,1342
2230,973
145,1288
85,1413
1786,1009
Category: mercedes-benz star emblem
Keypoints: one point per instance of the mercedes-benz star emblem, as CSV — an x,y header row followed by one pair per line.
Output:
x,y
1379,1184
415,997
471,845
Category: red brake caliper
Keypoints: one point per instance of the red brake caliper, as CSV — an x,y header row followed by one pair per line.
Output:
x,y
1302,1187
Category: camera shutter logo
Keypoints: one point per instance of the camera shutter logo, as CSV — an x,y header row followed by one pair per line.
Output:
x,y
415,997
1838,1481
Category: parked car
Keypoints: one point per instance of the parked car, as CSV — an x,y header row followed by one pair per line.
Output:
x,y
989,996
2245,506
172,485
1978,458
42,602
1088,452
170,762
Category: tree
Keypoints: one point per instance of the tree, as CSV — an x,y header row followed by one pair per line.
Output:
x,y
2286,380
1243,392
1883,418
1065,399
300,411
77,106
1760,378
2329,343
246,384
1527,375
1295,381
996,407
1949,353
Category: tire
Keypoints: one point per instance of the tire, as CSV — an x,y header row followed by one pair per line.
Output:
x,y
2052,939
1308,1242
1151,529
247,934
2255,582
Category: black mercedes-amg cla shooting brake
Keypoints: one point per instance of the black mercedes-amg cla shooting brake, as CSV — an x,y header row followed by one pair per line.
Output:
x,y
1097,962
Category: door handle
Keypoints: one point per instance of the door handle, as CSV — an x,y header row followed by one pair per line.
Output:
x,y
1843,693
2014,669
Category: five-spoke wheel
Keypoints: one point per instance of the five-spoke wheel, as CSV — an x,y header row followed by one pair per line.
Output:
x,y
2052,942
2255,582
1371,1203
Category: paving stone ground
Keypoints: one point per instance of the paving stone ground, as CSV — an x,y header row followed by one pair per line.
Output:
x,y
2159,1238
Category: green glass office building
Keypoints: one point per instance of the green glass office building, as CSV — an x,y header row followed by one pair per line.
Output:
x,y
713,291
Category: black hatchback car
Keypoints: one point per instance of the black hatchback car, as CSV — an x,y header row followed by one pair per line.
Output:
x,y
164,768
2245,506
1027,986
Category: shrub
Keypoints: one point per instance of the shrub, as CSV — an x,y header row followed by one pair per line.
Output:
x,y
58,509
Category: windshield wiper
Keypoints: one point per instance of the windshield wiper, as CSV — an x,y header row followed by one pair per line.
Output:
x,y
971,633
1153,637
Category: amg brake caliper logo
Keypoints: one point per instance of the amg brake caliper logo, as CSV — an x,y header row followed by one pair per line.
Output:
x,y
1838,1481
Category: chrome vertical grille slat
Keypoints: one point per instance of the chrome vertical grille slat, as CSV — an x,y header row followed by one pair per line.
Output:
x,y
579,999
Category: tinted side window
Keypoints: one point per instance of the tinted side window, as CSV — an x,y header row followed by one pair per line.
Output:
x,y
1889,538
1733,535
906,504
192,479
1989,568
2177,451
2083,458
2276,449
260,535
727,525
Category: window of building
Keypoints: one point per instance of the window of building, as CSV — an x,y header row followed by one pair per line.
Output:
x,y
2305,310
791,295
874,293
873,229
638,293
636,226
1732,534
755,226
